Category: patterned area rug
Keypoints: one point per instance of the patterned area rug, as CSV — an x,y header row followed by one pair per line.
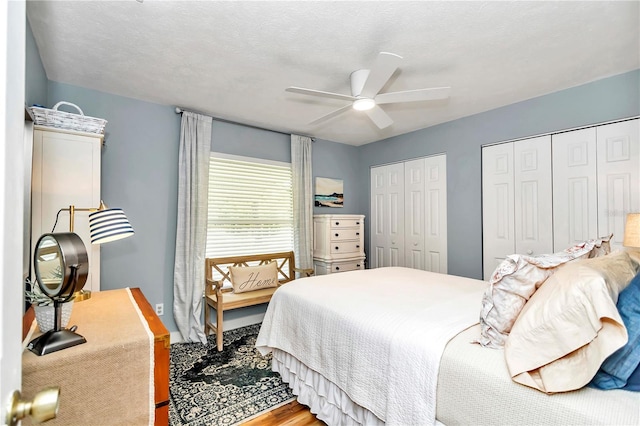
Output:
x,y
208,387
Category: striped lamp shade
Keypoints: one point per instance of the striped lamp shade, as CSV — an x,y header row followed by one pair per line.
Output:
x,y
109,225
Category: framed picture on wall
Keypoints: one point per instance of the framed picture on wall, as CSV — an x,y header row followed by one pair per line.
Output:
x,y
329,192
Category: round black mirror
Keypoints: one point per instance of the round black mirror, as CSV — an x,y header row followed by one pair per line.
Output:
x,y
61,265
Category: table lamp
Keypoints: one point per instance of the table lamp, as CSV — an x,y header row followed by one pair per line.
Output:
x,y
632,231
105,225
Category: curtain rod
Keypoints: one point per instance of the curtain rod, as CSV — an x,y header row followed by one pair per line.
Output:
x,y
181,110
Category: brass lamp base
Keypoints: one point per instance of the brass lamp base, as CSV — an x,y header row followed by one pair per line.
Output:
x,y
81,295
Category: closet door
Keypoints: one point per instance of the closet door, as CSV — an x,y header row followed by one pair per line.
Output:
x,y
618,151
387,215
436,213
575,195
498,215
414,214
532,196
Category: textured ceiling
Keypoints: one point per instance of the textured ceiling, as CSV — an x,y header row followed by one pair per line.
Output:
x,y
233,60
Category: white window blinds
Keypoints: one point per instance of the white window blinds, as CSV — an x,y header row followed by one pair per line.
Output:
x,y
250,206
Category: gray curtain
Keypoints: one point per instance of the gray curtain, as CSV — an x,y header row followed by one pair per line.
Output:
x,y
191,233
302,200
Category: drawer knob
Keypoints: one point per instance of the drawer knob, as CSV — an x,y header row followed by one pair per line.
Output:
x,y
337,248
357,233
336,234
529,252
337,268
358,246
357,265
337,223
357,223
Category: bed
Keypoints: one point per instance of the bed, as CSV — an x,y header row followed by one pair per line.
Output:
x,y
395,346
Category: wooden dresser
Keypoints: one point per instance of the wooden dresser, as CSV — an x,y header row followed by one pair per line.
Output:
x,y
110,375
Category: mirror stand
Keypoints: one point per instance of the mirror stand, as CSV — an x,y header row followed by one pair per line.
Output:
x,y
57,339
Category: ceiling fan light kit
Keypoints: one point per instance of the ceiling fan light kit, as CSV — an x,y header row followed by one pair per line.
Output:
x,y
365,88
363,104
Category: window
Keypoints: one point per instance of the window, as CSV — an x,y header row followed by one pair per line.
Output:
x,y
250,206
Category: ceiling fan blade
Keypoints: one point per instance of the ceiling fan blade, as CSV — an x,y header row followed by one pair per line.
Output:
x,y
382,69
379,117
330,115
414,95
319,93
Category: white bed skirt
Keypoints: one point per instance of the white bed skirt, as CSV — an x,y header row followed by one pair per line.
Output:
x,y
324,399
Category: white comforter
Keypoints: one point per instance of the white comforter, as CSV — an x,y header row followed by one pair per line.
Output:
x,y
378,334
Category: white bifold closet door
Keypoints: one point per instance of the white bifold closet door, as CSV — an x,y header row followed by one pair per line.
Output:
x,y
387,215
409,214
516,200
425,213
596,182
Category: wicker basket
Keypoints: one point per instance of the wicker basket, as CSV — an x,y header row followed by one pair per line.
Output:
x,y
67,120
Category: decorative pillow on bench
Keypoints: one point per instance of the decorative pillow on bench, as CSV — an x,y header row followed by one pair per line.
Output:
x,y
250,278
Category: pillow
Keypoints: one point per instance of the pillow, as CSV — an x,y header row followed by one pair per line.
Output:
x,y
615,371
250,278
633,382
516,279
570,325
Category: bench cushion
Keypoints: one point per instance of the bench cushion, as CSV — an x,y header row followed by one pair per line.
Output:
x,y
231,300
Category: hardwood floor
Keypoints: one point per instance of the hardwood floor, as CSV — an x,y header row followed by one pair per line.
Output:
x,y
290,414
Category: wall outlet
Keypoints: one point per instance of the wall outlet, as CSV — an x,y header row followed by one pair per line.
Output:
x,y
159,309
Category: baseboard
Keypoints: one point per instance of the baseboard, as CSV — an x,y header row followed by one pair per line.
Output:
x,y
230,324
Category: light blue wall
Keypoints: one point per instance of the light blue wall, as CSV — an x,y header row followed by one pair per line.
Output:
x,y
604,100
35,76
339,161
140,175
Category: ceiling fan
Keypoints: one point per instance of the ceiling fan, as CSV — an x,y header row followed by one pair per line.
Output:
x,y
365,85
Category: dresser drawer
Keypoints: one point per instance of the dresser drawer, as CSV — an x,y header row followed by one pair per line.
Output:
x,y
325,268
338,234
347,266
346,247
337,223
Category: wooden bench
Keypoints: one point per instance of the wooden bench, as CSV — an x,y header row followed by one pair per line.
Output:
x,y
219,293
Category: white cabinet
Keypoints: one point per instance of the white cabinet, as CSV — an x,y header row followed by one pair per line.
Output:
x,y
516,200
338,243
409,214
542,195
66,171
